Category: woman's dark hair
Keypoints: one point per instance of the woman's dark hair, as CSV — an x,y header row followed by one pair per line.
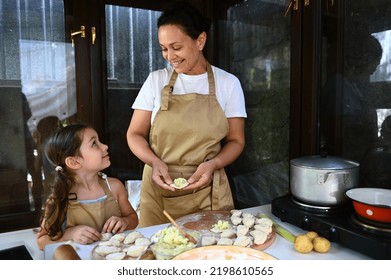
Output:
x,y
64,143
187,17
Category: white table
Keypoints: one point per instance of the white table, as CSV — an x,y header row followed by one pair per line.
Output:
x,y
22,237
281,248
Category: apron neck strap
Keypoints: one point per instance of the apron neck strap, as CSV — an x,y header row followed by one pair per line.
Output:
x,y
168,89
211,79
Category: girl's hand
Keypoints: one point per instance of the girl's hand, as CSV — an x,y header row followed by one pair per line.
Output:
x,y
115,225
83,234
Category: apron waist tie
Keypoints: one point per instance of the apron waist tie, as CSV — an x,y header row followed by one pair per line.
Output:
x,y
215,190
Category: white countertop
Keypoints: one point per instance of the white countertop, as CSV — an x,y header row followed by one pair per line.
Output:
x,y
281,248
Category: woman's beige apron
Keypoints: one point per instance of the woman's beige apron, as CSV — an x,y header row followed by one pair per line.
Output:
x,y
186,131
93,214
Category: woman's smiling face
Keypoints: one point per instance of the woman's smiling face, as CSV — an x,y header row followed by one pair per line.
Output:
x,y
181,51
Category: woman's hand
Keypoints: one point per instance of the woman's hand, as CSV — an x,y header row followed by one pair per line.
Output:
x,y
202,176
160,175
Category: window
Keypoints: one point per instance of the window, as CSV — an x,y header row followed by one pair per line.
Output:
x,y
37,86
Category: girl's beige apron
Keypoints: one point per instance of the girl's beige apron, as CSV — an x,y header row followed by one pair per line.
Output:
x,y
93,214
186,131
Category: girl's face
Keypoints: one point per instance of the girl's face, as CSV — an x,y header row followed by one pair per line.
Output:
x,y
94,154
181,51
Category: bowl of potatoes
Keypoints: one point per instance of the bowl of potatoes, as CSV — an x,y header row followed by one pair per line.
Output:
x,y
169,242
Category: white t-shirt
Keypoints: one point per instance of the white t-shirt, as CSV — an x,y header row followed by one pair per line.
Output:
x,y
229,92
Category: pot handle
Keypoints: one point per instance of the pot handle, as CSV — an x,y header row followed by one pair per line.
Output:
x,y
322,177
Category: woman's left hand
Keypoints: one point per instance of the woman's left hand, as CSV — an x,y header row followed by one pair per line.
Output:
x,y
115,225
202,176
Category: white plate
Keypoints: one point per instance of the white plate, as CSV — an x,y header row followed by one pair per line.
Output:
x,y
224,253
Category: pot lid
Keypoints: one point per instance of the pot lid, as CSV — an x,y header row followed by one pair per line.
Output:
x,y
327,162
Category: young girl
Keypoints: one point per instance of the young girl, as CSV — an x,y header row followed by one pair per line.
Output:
x,y
83,202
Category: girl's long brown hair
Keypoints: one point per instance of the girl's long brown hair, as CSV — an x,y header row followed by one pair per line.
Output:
x,y
64,143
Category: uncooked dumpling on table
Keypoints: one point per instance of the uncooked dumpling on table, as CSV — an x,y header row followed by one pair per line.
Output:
x,y
135,251
142,241
264,228
225,241
229,233
260,236
236,213
248,221
106,236
105,250
242,241
118,237
208,241
241,230
236,220
248,215
131,237
116,256
264,222
110,243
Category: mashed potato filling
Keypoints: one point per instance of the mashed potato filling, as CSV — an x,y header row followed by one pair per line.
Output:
x,y
180,183
170,242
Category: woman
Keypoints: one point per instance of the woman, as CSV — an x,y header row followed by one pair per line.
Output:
x,y
84,202
185,111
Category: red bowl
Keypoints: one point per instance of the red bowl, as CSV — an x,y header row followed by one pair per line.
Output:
x,y
372,203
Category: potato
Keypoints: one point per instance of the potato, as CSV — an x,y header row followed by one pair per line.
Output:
x,y
321,244
303,244
312,234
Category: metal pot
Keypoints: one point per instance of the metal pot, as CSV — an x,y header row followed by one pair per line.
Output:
x,y
322,181
372,203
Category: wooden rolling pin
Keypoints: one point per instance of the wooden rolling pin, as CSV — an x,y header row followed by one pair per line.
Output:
x,y
65,252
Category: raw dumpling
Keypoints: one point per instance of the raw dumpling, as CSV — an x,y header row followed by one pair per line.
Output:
x,y
248,221
179,183
229,233
116,256
242,241
260,236
131,237
118,237
135,251
225,241
208,240
248,215
110,243
105,250
265,222
236,220
106,236
263,228
236,213
142,241
241,230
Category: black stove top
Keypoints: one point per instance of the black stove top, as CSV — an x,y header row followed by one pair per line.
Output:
x,y
338,224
